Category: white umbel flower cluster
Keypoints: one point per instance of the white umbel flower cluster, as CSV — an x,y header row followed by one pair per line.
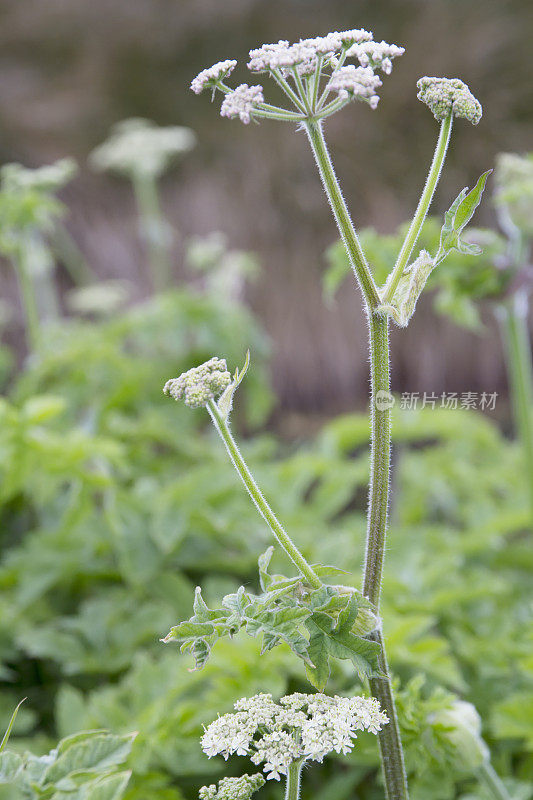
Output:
x,y
233,788
208,78
356,82
139,147
199,385
307,71
242,102
299,727
443,95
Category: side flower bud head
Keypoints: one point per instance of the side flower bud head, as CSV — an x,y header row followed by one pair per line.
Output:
x,y
209,78
199,385
356,83
300,727
462,726
242,102
443,95
233,788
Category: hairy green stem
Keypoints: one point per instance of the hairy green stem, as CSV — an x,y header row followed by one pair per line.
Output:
x,y
389,738
378,502
390,743
341,214
294,774
261,504
153,226
492,781
514,322
29,300
423,206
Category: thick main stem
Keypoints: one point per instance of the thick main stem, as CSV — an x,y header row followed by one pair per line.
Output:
x,y
341,214
423,206
514,321
294,774
261,504
389,738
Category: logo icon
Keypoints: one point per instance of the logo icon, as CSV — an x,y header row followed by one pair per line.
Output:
x,y
384,400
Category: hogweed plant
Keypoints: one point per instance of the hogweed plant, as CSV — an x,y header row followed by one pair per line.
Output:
x,y
320,620
141,151
29,215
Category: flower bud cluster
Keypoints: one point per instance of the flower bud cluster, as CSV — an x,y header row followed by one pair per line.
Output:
x,y
199,385
299,727
356,82
241,102
443,95
208,78
233,788
377,55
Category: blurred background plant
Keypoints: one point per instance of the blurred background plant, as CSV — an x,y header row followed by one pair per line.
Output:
x,y
114,504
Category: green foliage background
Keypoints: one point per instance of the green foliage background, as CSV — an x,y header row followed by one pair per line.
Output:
x,y
115,503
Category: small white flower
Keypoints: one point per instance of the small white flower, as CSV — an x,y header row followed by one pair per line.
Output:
x,y
241,102
209,77
358,83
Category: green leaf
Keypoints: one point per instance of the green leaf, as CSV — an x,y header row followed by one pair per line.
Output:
x,y
348,614
10,767
317,673
346,645
109,788
89,752
264,562
189,630
457,217
7,734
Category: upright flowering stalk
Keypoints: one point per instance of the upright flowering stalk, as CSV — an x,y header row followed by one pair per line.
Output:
x,y
284,736
514,204
142,151
319,77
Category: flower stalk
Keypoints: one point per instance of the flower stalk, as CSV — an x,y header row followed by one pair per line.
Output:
x,y
423,205
513,317
261,504
294,774
341,214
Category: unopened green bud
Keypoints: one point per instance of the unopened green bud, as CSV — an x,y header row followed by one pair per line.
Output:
x,y
200,384
443,95
462,726
233,788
